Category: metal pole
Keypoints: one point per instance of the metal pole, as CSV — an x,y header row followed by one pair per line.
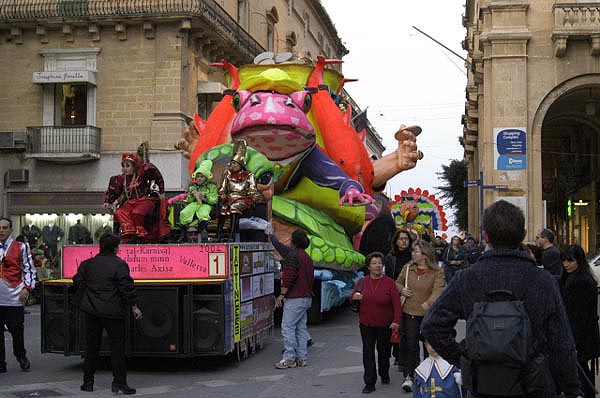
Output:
x,y
439,43
481,207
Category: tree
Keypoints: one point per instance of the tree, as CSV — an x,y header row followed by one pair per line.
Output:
x,y
455,193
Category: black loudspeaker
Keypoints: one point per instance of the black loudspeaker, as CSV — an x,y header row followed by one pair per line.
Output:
x,y
158,332
208,325
58,320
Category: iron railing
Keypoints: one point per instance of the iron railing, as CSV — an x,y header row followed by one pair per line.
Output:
x,y
76,140
21,11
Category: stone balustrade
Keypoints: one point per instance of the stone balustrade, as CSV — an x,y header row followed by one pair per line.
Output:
x,y
576,21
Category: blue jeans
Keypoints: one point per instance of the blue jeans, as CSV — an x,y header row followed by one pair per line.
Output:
x,y
293,327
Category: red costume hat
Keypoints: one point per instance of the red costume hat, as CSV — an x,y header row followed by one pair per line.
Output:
x,y
132,157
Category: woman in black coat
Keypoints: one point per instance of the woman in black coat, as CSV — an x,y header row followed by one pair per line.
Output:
x,y
580,295
400,253
106,294
454,258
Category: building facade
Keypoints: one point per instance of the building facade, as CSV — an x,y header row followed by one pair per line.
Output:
x,y
531,120
84,80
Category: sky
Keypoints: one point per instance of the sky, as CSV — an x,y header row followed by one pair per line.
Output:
x,y
405,77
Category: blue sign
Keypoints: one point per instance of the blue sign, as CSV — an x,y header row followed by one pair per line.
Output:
x,y
511,149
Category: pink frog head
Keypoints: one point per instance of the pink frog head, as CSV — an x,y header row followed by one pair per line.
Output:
x,y
275,124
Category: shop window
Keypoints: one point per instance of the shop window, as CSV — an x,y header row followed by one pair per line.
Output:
x,y
70,102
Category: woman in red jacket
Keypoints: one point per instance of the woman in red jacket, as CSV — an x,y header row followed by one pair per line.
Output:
x,y
379,313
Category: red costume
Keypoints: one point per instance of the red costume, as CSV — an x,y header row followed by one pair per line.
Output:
x,y
137,200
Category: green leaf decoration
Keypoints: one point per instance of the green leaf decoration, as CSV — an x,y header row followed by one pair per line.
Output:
x,y
328,241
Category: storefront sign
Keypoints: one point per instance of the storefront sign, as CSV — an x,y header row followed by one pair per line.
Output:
x,y
159,262
511,149
66,76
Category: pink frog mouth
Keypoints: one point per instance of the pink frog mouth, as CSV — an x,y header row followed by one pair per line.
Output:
x,y
277,142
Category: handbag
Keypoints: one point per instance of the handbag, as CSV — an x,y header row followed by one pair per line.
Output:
x,y
402,298
356,303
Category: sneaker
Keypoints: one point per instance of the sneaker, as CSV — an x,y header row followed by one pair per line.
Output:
x,y
285,364
301,363
408,383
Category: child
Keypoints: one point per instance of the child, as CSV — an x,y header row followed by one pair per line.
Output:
x,y
202,196
238,192
435,377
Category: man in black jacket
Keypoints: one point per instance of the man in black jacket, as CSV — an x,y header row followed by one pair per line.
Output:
x,y
502,268
106,293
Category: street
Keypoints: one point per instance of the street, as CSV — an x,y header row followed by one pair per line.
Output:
x,y
334,369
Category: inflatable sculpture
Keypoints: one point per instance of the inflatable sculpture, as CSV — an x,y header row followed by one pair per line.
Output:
x,y
419,211
323,176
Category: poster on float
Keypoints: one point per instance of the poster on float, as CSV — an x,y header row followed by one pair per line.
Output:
x,y
158,262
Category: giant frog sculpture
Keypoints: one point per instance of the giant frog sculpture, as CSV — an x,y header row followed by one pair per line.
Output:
x,y
323,175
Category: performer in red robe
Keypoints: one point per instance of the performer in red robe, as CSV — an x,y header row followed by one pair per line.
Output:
x,y
137,196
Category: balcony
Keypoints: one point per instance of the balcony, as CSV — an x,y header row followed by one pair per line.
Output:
x,y
63,144
204,16
576,21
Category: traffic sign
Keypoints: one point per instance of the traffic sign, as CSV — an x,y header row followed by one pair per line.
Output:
x,y
495,186
472,183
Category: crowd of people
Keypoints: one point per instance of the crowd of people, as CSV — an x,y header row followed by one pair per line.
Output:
x,y
435,282
413,295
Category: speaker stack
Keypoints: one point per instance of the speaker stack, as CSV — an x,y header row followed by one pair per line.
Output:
x,y
59,320
208,324
158,330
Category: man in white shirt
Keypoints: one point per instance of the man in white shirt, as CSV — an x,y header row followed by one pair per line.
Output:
x,y
17,280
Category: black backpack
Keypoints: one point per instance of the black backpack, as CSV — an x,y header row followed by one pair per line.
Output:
x,y
500,345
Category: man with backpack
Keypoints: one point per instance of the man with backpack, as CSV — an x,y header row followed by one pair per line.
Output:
x,y
518,338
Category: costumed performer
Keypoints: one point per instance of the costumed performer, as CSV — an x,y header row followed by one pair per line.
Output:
x,y
436,378
202,196
136,195
238,193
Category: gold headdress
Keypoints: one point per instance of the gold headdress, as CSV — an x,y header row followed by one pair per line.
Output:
x,y
239,152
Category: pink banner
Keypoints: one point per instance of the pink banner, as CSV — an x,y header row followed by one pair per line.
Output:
x,y
201,261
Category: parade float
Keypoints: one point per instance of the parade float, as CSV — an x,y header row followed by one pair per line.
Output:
x,y
324,176
312,171
419,211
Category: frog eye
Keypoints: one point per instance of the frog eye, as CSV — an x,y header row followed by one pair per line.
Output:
x,y
236,102
302,99
307,102
240,98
